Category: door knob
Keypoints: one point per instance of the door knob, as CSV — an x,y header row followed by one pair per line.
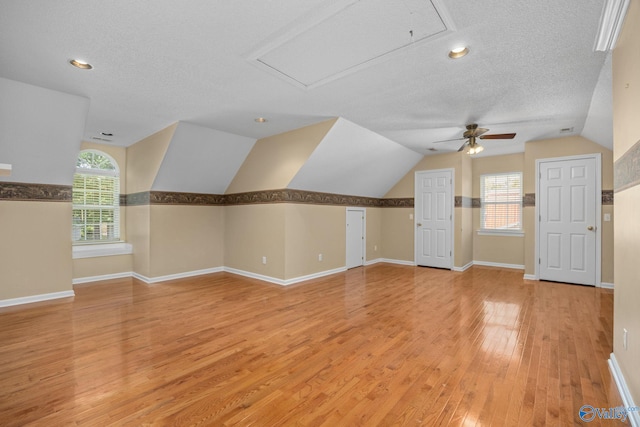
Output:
x,y
418,225
590,228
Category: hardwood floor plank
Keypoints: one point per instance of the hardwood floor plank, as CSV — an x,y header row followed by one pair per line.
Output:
x,y
380,345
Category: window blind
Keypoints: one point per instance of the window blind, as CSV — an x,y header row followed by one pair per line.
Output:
x,y
96,204
501,201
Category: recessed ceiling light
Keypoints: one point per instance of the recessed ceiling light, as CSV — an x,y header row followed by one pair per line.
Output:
x,y
458,52
80,64
261,120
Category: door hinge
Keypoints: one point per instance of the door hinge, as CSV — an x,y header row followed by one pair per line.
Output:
x,y
539,218
450,253
539,260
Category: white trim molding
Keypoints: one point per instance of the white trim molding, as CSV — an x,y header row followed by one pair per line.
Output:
x,y
397,261
499,264
157,279
530,277
606,285
284,282
102,249
81,280
374,261
625,393
463,268
36,298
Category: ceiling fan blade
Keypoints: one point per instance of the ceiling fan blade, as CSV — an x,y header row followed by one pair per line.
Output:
x,y
462,146
448,140
499,136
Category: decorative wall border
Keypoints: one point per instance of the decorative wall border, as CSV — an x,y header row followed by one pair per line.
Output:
x,y
18,191
63,193
462,202
259,197
529,199
626,170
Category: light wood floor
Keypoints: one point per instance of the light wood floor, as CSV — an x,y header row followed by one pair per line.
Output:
x,y
378,345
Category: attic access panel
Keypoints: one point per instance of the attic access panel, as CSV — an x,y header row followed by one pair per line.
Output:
x,y
351,35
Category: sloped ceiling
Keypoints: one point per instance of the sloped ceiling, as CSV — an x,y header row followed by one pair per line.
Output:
x,y
599,124
356,161
40,133
201,160
531,67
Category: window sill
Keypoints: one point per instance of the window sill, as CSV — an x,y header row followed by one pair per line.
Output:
x,y
509,233
102,249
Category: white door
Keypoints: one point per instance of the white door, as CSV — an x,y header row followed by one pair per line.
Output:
x,y
567,218
355,237
434,218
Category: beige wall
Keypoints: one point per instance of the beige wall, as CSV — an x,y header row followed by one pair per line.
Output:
x,y
254,231
561,147
405,187
374,234
626,110
185,238
35,256
144,159
311,230
139,235
496,249
101,266
398,234
274,161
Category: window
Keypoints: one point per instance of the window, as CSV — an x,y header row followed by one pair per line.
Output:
x,y
96,198
501,202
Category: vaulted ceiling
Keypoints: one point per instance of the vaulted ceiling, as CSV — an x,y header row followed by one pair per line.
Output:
x,y
380,64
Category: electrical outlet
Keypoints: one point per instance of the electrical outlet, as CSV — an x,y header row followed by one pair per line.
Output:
x,y
625,338
264,260
375,248
319,257
410,216
607,217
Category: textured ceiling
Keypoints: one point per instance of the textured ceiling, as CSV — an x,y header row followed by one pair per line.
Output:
x,y
531,70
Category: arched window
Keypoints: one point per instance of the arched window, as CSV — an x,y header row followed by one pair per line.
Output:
x,y
96,198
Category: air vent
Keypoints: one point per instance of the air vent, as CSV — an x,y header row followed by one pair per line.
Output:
x,y
97,138
566,130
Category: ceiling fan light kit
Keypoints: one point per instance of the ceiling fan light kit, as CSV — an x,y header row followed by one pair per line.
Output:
x,y
474,132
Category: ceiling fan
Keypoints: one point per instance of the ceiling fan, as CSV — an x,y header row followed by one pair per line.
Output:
x,y
473,133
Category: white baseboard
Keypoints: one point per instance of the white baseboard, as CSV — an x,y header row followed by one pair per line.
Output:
x,y
463,268
530,277
499,264
606,285
81,280
374,261
36,298
157,279
398,261
284,282
625,393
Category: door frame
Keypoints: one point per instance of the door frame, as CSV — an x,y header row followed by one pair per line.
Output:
x,y
598,159
453,213
364,233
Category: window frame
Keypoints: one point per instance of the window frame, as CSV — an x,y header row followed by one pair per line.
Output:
x,y
107,173
484,204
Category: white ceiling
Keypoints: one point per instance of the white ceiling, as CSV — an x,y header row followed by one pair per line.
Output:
x,y
531,70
